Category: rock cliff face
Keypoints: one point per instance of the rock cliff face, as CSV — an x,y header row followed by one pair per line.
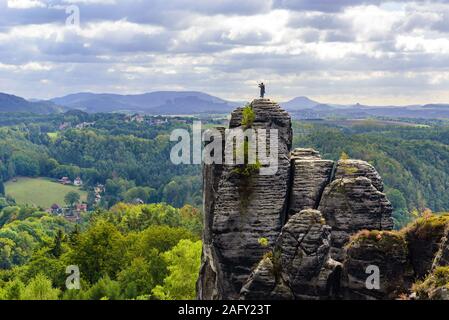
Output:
x,y
240,210
300,266
296,234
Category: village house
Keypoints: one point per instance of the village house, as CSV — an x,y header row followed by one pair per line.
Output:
x,y
81,207
78,182
137,118
65,180
64,126
55,209
99,188
137,201
157,121
84,125
97,198
72,216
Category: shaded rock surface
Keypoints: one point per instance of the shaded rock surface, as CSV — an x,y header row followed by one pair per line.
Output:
x,y
265,283
427,244
442,255
311,174
376,253
208,283
300,266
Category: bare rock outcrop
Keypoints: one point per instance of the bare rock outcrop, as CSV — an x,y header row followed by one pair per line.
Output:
x,y
353,204
350,168
310,174
209,281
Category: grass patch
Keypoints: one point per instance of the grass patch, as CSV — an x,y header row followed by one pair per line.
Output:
x,y
427,228
40,192
52,135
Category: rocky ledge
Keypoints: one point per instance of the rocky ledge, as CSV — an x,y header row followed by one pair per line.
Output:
x,y
313,230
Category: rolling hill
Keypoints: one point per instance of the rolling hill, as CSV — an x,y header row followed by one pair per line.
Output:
x,y
11,103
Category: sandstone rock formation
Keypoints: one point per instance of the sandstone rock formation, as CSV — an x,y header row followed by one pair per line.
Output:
x,y
300,266
353,204
311,174
287,235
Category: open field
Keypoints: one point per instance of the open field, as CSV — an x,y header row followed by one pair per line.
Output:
x,y
40,191
52,135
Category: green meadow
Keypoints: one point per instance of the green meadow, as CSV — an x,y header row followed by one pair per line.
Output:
x,y
40,191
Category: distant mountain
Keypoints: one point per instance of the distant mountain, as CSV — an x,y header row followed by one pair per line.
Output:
x,y
193,102
299,103
436,106
11,103
160,102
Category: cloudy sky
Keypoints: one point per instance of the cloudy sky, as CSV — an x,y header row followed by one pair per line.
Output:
x,y
340,51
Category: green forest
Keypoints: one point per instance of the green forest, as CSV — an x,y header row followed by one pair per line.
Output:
x,y
151,249
131,160
129,252
412,160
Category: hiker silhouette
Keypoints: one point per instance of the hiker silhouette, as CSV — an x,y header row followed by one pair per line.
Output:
x,y
262,90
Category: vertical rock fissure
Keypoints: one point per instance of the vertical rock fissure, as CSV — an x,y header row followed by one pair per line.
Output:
x,y
285,212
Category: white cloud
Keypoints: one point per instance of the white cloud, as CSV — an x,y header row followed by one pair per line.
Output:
x,y
25,4
349,52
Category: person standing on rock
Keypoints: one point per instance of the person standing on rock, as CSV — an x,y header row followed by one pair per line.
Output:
x,y
262,90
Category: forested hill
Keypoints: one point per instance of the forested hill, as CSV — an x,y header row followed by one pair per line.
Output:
x,y
413,160
131,158
11,103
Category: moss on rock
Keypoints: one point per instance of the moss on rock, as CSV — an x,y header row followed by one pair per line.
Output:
x,y
427,228
423,237
434,283
386,241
